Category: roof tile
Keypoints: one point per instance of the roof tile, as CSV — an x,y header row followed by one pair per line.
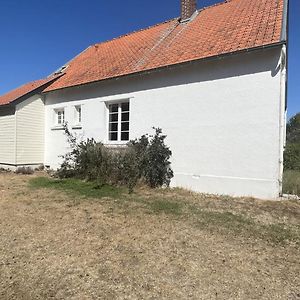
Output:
x,y
24,90
225,27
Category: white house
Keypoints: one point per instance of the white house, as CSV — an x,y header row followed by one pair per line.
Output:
x,y
214,80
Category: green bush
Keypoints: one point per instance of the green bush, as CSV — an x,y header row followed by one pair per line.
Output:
x,y
144,159
293,129
292,151
292,157
154,159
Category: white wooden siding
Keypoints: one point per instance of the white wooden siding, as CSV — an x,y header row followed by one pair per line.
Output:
x,y
7,139
30,131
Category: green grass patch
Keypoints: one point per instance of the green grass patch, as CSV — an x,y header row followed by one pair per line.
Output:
x,y
237,224
165,206
215,220
79,187
291,182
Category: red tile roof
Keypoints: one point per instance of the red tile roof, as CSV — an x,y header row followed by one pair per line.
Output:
x,y
222,28
24,90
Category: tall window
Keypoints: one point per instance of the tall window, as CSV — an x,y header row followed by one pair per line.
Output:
x,y
78,114
119,122
59,117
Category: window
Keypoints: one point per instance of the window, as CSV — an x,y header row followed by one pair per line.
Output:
x,y
59,117
78,114
118,122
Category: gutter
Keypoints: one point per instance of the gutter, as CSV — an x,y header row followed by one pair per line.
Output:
x,y
284,25
185,63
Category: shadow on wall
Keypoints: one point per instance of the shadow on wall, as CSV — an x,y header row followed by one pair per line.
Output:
x,y
7,111
234,66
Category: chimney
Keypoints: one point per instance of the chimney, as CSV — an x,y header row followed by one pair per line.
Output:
x,y
188,7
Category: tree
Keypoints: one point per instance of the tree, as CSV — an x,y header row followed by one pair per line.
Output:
x,y
292,151
293,129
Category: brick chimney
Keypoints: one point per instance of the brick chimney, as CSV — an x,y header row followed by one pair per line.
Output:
x,y
188,7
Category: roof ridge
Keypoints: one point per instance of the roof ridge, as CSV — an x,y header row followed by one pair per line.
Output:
x,y
216,4
158,24
32,82
135,31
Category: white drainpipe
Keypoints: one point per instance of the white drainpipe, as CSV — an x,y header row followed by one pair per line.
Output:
x,y
282,114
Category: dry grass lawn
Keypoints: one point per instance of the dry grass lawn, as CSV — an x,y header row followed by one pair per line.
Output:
x,y
71,241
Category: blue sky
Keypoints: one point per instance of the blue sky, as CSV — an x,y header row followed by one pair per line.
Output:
x,y
37,37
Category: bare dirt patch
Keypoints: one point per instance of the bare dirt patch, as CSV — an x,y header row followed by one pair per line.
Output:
x,y
164,244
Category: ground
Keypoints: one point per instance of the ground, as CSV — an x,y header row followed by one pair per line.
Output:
x,y
70,240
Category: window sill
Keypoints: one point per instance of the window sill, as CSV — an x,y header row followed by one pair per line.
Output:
x,y
57,127
78,126
116,144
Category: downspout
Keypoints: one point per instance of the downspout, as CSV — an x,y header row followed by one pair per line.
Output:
x,y
282,115
283,91
16,136
44,128
43,97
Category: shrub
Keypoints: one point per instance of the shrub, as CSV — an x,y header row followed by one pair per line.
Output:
x,y
292,157
154,159
145,159
125,169
292,151
87,160
293,129
24,170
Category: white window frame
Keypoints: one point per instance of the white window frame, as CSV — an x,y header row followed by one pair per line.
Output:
x,y
119,131
56,117
77,116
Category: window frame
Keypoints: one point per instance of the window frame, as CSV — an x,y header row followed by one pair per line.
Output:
x,y
56,117
119,122
77,121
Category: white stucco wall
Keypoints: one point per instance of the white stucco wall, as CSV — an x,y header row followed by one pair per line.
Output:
x,y
7,137
30,120
221,119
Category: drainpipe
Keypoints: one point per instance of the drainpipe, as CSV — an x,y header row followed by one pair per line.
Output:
x,y
282,113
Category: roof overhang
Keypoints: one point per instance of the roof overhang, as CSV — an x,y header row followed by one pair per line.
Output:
x,y
205,59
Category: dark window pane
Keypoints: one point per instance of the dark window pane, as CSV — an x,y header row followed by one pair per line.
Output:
x,y
125,116
125,126
113,108
113,126
125,136
113,118
125,106
113,136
